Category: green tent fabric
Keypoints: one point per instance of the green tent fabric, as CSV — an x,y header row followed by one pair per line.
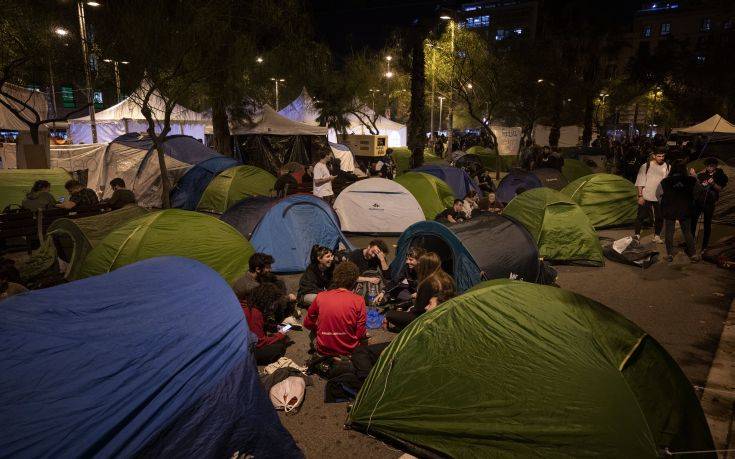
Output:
x,y
606,199
402,159
514,369
574,169
490,158
433,194
15,183
562,231
233,185
75,238
172,232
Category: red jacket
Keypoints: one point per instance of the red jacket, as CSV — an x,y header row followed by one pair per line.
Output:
x,y
256,323
338,317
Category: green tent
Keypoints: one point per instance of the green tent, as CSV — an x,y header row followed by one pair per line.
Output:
x,y
606,199
433,194
490,158
574,169
402,158
172,232
16,183
559,226
233,185
514,369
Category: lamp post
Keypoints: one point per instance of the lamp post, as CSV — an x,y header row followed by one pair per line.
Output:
x,y
450,108
117,75
441,105
372,94
87,72
276,81
433,89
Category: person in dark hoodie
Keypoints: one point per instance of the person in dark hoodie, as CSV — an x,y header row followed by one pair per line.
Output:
x,y
39,197
258,305
678,193
713,179
318,275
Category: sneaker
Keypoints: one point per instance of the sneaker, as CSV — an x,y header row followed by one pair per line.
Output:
x,y
695,259
657,239
669,258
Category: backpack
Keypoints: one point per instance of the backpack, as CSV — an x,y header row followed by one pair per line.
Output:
x,y
368,290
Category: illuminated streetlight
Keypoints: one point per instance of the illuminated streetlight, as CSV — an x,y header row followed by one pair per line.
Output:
x,y
388,58
95,4
276,81
540,80
441,105
445,17
259,60
469,85
61,31
389,74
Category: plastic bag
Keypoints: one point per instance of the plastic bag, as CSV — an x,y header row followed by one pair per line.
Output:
x,y
288,394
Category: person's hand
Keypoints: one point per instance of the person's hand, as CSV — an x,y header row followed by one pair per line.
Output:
x,y
433,302
374,280
379,298
641,201
291,297
379,253
692,172
710,181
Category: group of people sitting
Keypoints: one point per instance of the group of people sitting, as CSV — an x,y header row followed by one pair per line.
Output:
x,y
80,197
467,208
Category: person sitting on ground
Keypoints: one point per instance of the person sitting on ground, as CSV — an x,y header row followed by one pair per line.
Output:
x,y
405,288
259,272
454,214
9,280
39,197
434,287
286,183
257,305
470,203
371,258
79,197
485,182
337,316
548,160
121,196
679,191
318,275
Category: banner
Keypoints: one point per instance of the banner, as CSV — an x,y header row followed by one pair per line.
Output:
x,y
509,139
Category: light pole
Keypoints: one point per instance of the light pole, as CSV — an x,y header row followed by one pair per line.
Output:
x,y
433,89
117,75
85,56
441,105
276,81
372,93
450,108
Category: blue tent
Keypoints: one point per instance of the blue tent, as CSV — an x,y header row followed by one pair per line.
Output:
x,y
188,190
516,178
456,178
489,246
149,360
287,228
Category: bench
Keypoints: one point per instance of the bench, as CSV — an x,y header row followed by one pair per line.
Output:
x,y
23,229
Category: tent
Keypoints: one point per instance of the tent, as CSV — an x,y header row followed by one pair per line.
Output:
x,y
152,360
126,117
513,369
457,179
394,131
574,169
551,178
75,238
432,194
377,206
470,162
715,126
172,232
32,101
516,178
189,189
344,155
133,157
287,228
234,184
561,230
274,140
606,199
16,183
490,246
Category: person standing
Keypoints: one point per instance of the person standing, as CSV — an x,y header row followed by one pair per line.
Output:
x,y
677,204
648,183
323,179
713,179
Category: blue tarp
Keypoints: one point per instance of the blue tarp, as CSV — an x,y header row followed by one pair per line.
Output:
x,y
151,359
288,228
189,189
456,178
516,178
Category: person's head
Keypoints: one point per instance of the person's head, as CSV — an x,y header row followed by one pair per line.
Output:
x,y
471,195
458,205
427,265
322,257
345,275
73,186
678,168
263,297
41,185
546,151
710,164
324,156
375,246
659,156
260,263
412,257
117,183
388,152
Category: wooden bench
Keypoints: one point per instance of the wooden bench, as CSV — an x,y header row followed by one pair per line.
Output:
x,y
29,227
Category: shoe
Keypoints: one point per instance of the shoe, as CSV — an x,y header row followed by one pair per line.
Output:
x,y
669,258
657,239
695,259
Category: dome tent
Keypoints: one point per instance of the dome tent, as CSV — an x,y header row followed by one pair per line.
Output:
x,y
433,194
172,232
377,206
457,179
561,230
287,228
487,247
574,169
151,360
550,178
516,178
520,370
16,183
606,199
189,189
234,184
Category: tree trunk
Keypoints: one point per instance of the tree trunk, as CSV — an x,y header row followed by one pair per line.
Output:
x,y
33,130
165,182
555,132
589,108
221,140
417,118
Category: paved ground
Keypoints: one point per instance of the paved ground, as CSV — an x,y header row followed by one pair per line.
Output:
x,y
682,305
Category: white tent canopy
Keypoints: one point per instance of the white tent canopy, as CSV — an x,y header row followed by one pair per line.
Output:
x,y
270,122
715,125
344,154
126,117
377,205
33,99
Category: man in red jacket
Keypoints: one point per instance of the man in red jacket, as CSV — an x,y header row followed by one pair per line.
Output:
x,y
337,316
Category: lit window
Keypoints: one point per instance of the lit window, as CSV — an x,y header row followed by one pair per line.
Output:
x,y
67,97
501,34
647,31
706,24
518,31
478,21
666,28
97,98
700,59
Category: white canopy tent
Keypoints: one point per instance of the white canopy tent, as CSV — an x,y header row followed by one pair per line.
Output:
x,y
126,117
90,157
270,122
716,126
31,99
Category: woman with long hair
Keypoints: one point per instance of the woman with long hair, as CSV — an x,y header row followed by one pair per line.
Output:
x,y
258,305
434,287
39,197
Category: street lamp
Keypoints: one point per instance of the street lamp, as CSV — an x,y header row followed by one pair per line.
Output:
x,y
441,105
540,80
259,60
372,93
95,4
85,56
276,80
60,31
117,74
469,85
